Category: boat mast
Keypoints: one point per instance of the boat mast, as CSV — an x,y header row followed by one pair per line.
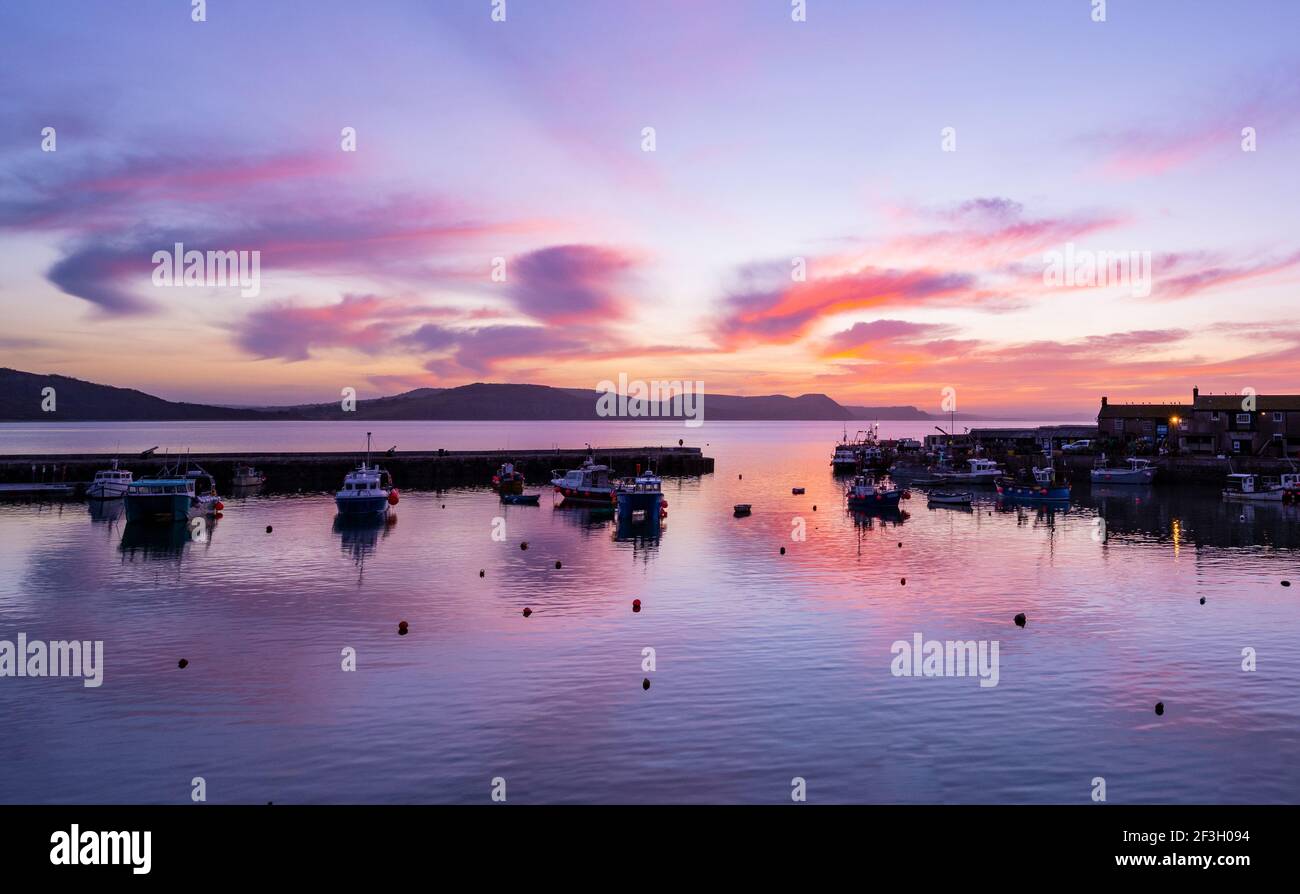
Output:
x,y
366,464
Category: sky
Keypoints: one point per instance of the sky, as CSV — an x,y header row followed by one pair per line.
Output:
x,y
867,203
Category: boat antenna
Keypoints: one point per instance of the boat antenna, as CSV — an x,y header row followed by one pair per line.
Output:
x,y
367,448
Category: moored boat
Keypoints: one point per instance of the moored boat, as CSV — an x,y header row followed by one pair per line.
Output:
x,y
521,499
507,480
174,494
1140,471
864,493
109,484
590,483
1243,488
951,499
247,476
980,471
641,499
1043,488
367,491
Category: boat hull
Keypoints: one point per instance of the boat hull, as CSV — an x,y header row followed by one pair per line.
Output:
x,y
1123,476
886,500
597,495
158,507
106,490
1035,493
1274,496
362,507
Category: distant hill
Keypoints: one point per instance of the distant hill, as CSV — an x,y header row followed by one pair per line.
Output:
x,y
891,413
541,402
22,396
77,400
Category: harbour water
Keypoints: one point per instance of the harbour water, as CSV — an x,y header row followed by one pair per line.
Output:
x,y
768,666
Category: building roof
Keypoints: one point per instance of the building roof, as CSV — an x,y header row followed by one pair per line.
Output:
x,y
1232,403
1042,431
1145,411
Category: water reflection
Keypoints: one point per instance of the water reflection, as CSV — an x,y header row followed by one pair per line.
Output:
x,y
105,511
163,541
359,537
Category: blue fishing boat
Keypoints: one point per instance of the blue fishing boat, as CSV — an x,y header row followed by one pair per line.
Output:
x,y
367,491
641,499
521,499
865,494
1044,488
174,494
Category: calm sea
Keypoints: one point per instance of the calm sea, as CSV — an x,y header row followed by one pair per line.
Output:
x,y
766,666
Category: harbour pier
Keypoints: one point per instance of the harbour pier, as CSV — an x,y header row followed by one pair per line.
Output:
x,y
318,471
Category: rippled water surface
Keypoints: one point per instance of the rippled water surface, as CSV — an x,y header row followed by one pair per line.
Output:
x,y
768,666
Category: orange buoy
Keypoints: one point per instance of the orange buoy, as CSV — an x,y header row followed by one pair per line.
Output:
x,y
393,497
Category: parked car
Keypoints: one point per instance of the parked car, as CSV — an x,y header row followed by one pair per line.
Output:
x,y
1077,447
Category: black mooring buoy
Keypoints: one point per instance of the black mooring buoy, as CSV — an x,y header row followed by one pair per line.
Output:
x,y
268,529
527,611
645,684
1020,619
1160,709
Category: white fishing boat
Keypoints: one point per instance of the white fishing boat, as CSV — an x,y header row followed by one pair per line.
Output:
x,y
247,476
109,484
1243,488
980,471
1139,471
367,491
846,453
589,483
952,499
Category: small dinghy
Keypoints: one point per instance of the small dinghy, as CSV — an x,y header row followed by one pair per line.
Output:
x,y
796,490
742,509
951,499
521,499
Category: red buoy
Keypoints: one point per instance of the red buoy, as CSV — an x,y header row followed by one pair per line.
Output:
x,y
220,505
393,497
636,605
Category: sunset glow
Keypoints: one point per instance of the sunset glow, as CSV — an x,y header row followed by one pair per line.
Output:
x,y
779,146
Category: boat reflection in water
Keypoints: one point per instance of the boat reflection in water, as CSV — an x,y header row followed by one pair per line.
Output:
x,y
152,540
885,516
105,511
359,535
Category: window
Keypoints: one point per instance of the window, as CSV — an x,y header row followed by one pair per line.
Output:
x,y
1278,417
1214,417
1243,419
1119,425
